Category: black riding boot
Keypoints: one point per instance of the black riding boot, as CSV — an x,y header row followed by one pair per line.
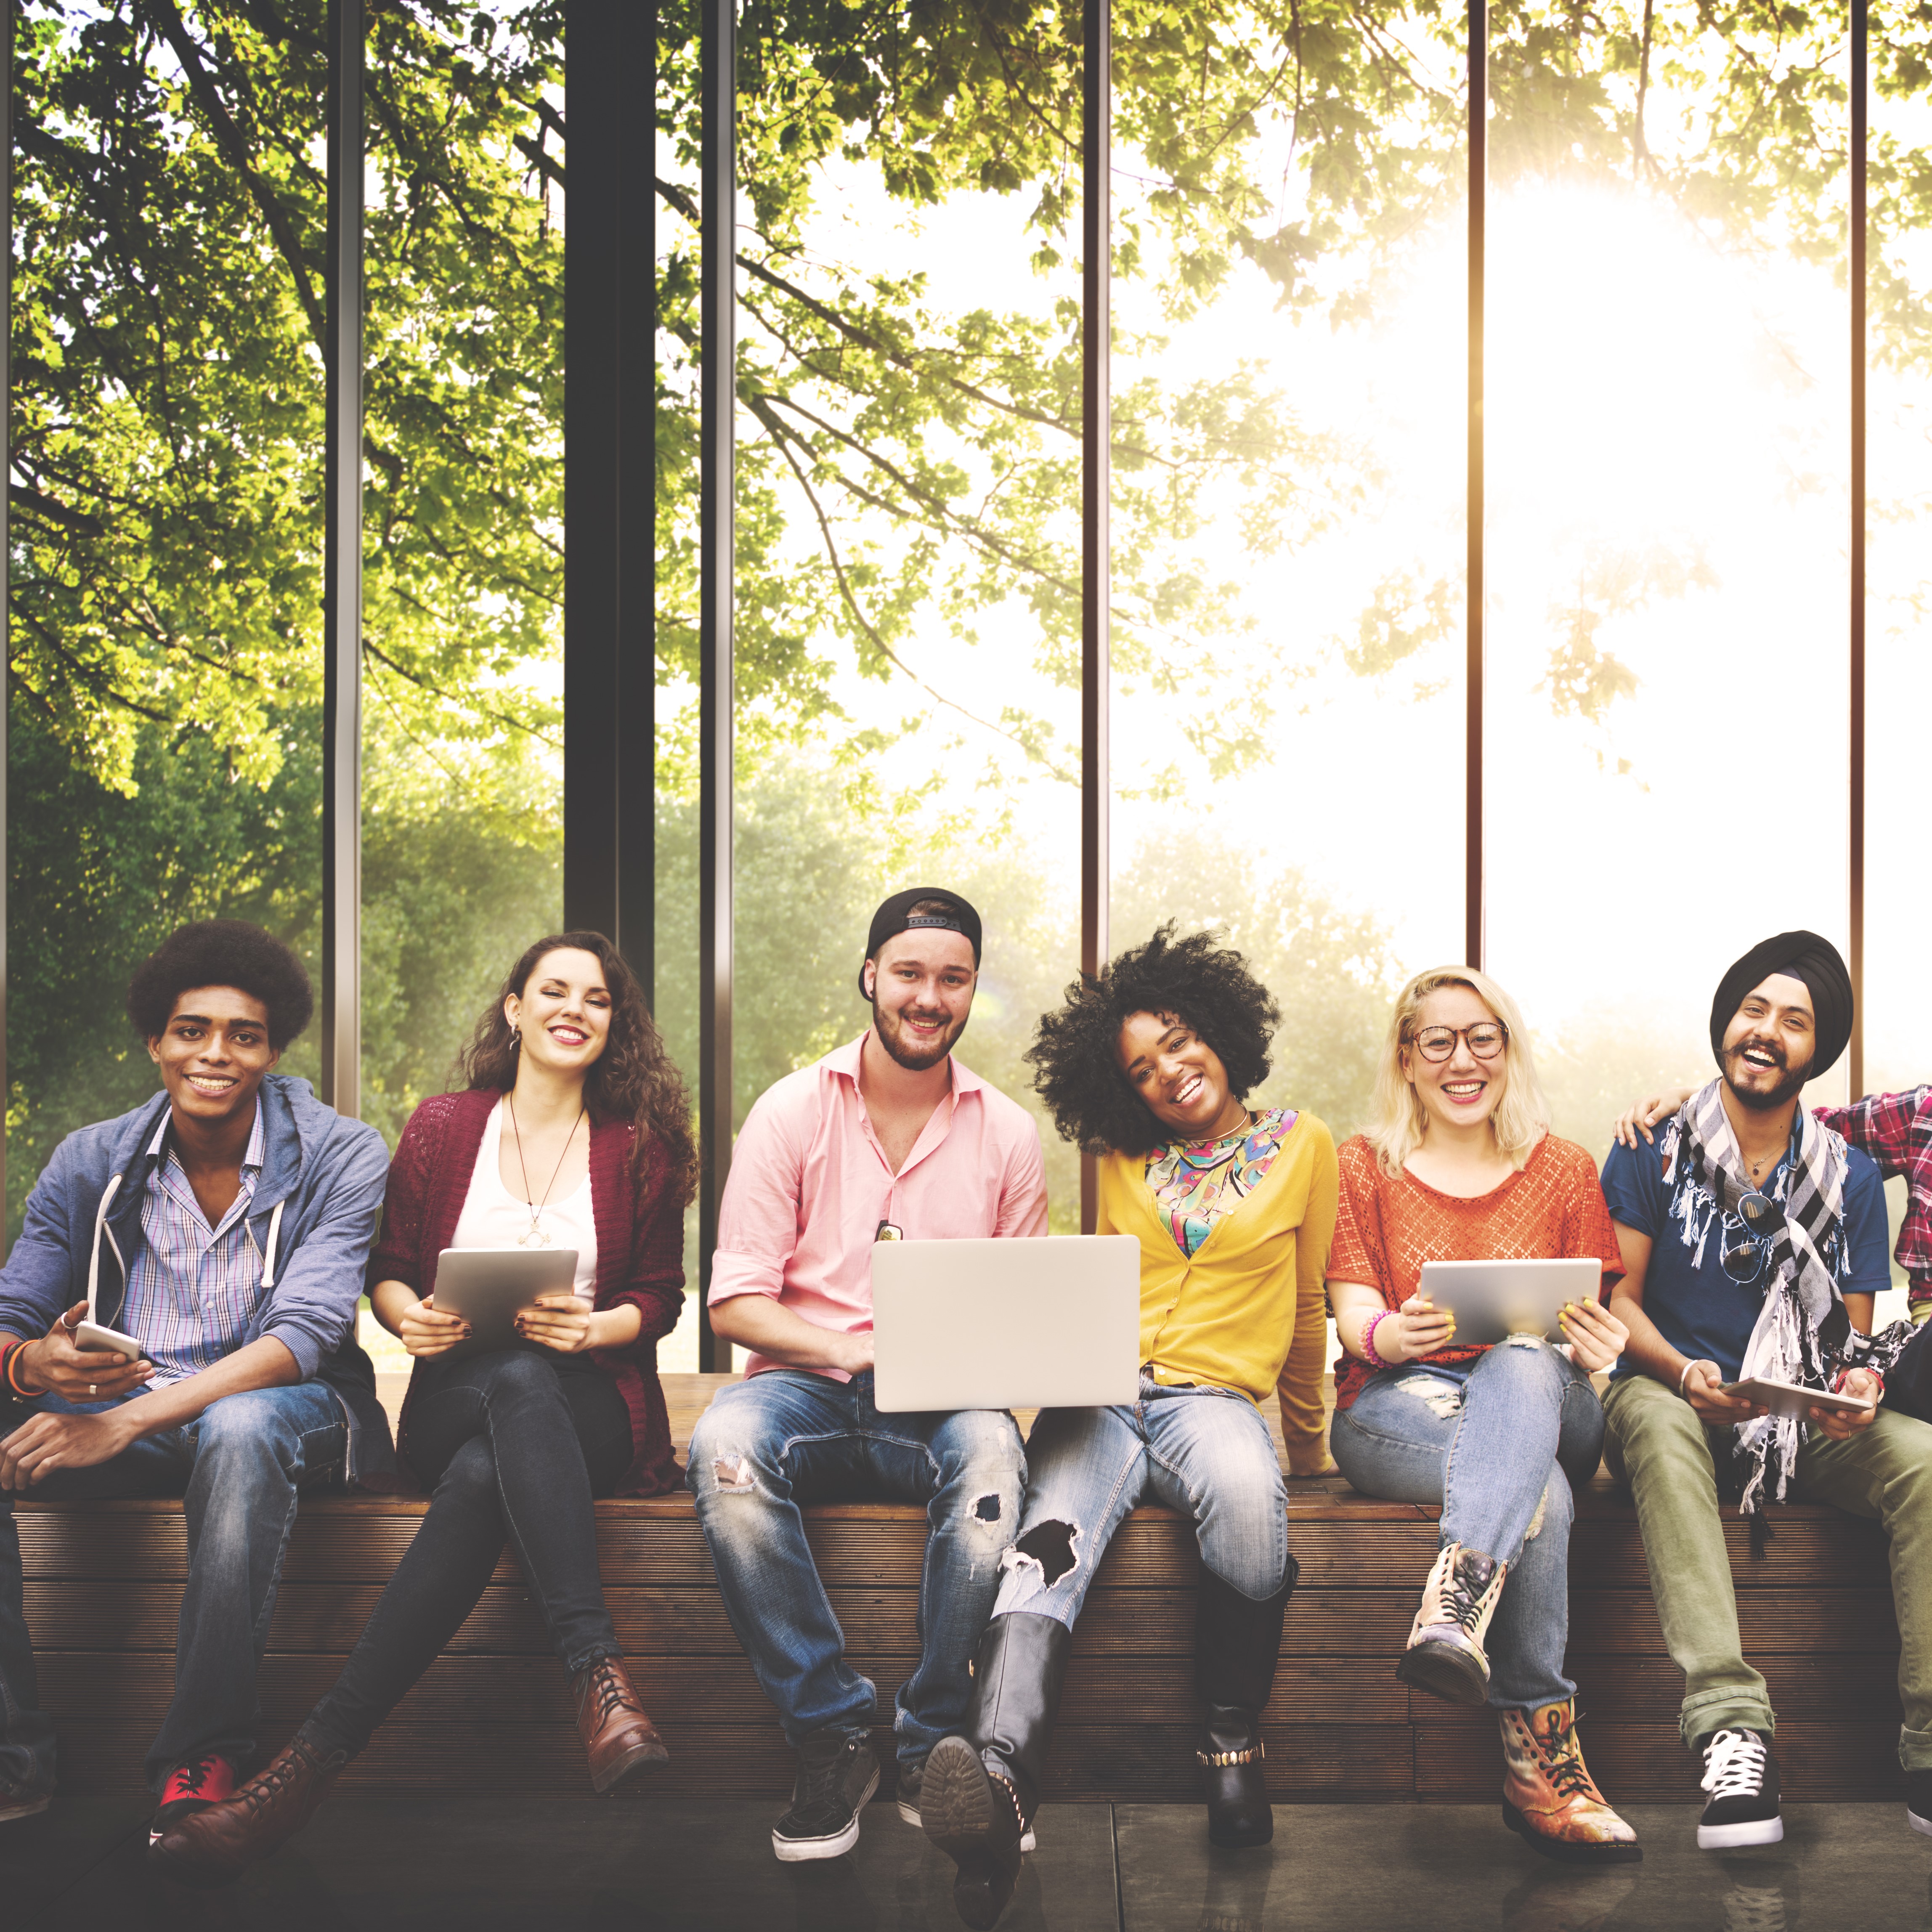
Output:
x,y
982,1787
1236,1641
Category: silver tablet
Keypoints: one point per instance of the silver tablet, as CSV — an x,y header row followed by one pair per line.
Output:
x,y
1793,1398
1492,1299
486,1286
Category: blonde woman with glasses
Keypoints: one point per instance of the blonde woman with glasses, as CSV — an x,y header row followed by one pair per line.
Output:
x,y
1460,1165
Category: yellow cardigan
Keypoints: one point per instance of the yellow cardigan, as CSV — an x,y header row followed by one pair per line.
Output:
x,y
1247,1311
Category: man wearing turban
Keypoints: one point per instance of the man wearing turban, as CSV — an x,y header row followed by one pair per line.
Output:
x,y
1753,1240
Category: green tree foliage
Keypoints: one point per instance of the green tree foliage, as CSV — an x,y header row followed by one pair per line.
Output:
x,y
909,472
805,891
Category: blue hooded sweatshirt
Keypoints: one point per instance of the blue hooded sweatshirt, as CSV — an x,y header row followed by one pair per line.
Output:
x,y
314,1215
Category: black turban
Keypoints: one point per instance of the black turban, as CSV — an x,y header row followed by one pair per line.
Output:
x,y
1801,955
895,916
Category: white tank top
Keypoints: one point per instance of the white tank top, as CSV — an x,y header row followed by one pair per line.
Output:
x,y
492,1217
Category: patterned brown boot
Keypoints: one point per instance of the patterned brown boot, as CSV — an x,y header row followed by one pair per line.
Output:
x,y
620,1739
1549,1798
215,1846
1445,1655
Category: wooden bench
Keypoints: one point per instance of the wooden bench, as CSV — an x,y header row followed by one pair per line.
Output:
x,y
104,1583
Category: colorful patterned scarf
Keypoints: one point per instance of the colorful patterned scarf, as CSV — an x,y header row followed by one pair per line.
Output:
x,y
1195,1183
1803,1330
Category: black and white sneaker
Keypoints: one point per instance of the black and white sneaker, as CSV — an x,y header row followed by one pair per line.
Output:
x,y
837,1773
1741,1775
1919,1800
911,1777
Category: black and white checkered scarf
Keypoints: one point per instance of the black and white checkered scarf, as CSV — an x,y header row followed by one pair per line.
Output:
x,y
1802,1330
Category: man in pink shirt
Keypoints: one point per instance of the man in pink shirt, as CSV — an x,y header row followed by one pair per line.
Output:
x,y
888,1138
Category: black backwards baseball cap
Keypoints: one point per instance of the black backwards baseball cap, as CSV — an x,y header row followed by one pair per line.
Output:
x,y
896,916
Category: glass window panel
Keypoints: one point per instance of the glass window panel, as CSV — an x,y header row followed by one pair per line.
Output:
x,y
1668,433
908,564
1290,331
166,443
463,559
1898,584
679,138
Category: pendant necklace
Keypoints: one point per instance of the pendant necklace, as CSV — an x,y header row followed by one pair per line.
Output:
x,y
535,1237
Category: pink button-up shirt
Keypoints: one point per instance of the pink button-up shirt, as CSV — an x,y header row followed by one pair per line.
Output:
x,y
810,1183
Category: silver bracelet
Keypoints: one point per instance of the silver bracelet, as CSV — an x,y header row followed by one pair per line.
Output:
x,y
1687,1367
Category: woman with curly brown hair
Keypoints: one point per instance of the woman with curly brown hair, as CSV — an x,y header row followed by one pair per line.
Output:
x,y
1148,1067
574,1132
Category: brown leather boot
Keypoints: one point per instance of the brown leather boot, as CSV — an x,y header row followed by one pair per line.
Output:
x,y
213,1847
619,1738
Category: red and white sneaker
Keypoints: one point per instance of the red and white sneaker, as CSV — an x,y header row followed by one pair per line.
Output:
x,y
193,1785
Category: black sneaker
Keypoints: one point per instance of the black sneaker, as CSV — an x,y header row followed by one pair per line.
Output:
x,y
1919,1800
911,1777
837,1773
1741,1775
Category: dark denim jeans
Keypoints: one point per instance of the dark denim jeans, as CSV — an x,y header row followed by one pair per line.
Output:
x,y
788,1437
239,1465
512,1444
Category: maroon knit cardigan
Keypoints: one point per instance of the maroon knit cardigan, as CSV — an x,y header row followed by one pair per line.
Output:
x,y
640,1253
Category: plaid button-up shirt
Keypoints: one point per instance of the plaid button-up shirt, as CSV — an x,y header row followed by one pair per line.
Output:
x,y
194,1290
1896,1130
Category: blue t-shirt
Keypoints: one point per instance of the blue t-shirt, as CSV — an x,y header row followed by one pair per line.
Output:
x,y
1705,1312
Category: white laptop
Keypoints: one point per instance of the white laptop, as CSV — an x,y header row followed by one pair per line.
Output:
x,y
1493,1299
1047,1324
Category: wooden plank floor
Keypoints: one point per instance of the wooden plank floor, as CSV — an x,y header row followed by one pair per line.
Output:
x,y
104,1584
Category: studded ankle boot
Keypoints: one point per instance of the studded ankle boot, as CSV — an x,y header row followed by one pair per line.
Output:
x,y
1236,1644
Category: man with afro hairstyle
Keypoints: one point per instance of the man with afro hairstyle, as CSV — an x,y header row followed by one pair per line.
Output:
x,y
223,1227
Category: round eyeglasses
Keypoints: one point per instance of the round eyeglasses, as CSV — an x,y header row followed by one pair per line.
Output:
x,y
1486,1039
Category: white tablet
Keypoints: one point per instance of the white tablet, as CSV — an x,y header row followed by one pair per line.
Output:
x,y
486,1286
1793,1398
1493,1299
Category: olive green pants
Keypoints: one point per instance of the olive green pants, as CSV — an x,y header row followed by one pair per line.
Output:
x,y
1657,1445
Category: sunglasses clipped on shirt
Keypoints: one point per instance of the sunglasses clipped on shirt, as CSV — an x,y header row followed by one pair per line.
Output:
x,y
1763,1217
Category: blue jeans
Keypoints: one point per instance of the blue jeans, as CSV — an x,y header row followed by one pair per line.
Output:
x,y
1199,1450
1498,1442
238,1466
788,1437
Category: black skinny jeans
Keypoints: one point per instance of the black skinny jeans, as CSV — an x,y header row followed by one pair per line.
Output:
x,y
515,1441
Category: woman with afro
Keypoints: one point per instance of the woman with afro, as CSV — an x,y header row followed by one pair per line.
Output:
x,y
1148,1068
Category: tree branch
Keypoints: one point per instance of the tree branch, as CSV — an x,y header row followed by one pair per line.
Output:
x,y
758,407
188,53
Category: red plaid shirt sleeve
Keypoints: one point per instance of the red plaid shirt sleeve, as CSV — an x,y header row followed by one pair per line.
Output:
x,y
1896,1130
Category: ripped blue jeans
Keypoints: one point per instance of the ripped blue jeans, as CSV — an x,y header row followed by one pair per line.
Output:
x,y
787,1437
1498,1442
1202,1451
